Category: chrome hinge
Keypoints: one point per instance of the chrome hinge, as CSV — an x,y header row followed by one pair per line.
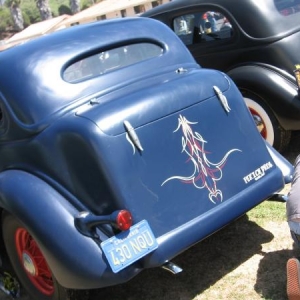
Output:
x,y
222,98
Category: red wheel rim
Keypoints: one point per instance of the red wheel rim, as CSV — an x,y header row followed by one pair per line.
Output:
x,y
34,262
263,132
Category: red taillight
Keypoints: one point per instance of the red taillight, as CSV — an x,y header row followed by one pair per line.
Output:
x,y
124,220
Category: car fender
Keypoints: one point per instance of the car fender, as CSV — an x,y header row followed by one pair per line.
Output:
x,y
49,217
275,85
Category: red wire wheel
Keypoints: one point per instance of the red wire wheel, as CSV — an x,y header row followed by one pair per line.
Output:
x,y
34,262
262,126
29,264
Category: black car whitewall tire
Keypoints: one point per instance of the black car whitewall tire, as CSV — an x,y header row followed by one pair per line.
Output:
x,y
269,127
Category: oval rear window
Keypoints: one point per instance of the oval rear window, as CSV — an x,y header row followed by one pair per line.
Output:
x,y
110,60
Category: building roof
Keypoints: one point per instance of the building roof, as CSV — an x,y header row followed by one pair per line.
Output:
x,y
88,15
102,8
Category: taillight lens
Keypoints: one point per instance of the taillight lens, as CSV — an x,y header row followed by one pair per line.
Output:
x,y
124,220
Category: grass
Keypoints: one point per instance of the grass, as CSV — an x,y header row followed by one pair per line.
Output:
x,y
267,211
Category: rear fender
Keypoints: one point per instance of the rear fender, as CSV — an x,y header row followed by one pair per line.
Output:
x,y
268,84
75,260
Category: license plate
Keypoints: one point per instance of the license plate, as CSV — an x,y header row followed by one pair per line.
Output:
x,y
128,246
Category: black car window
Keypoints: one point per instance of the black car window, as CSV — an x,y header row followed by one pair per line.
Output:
x,y
202,27
287,7
110,60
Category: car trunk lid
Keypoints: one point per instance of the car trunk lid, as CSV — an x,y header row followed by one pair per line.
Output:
x,y
188,160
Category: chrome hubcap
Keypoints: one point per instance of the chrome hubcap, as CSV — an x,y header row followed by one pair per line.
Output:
x,y
28,264
259,123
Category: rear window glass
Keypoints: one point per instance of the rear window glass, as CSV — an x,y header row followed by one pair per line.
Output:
x,y
288,7
110,60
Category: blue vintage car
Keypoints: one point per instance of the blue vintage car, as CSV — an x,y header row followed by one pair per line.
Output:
x,y
117,153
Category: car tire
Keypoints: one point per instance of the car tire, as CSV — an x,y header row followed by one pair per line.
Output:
x,y
29,264
269,126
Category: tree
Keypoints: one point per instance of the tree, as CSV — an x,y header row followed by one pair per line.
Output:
x,y
64,10
5,22
44,9
16,13
75,6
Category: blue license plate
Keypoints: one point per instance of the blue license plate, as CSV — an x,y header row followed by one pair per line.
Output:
x,y
128,246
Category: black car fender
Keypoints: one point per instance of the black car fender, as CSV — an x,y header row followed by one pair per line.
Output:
x,y
275,85
76,260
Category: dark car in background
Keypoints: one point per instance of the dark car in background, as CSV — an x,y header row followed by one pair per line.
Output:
x,y
117,153
256,42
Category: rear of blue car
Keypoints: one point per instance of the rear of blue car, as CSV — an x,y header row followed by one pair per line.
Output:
x,y
128,153
190,162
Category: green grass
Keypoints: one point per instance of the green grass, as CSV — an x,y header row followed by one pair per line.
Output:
x,y
266,211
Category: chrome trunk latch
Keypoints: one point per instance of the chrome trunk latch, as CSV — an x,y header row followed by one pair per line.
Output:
x,y
222,98
132,137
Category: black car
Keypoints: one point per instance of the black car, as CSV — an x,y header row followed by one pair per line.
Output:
x,y
256,43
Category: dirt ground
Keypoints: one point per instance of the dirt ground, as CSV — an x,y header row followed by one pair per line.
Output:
x,y
242,261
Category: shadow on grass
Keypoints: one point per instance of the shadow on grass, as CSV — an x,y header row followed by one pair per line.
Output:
x,y
271,274
203,265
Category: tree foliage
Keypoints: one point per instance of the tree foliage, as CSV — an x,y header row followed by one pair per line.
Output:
x,y
30,12
86,4
64,10
5,19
